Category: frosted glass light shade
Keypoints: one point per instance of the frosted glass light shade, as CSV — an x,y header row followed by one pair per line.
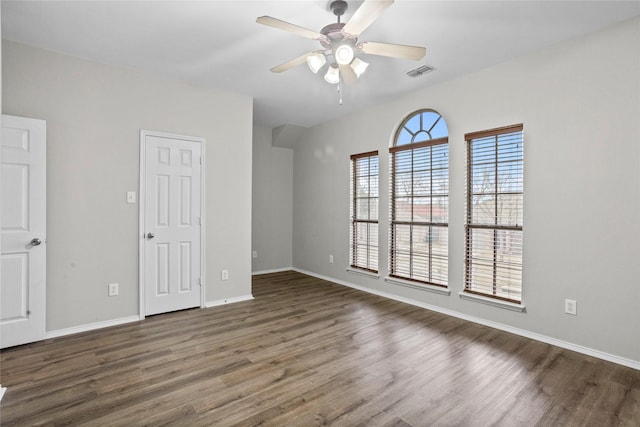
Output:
x,y
333,75
359,66
344,54
315,62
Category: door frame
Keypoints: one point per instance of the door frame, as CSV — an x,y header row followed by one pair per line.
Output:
x,y
142,211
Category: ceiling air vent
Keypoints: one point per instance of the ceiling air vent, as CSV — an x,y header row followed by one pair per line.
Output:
x,y
423,69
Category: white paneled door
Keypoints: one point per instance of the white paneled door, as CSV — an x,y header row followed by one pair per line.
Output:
x,y
171,222
23,223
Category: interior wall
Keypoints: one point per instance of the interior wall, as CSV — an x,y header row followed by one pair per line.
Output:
x,y
272,199
579,102
1,391
94,114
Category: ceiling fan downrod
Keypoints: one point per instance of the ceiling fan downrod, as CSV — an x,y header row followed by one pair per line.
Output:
x,y
338,7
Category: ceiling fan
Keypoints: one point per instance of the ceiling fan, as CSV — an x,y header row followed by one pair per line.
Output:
x,y
340,42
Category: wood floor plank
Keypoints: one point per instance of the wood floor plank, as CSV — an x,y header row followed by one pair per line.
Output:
x,y
309,352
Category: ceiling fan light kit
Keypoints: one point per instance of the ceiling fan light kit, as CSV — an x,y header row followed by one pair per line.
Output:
x,y
333,75
340,40
359,66
344,54
316,61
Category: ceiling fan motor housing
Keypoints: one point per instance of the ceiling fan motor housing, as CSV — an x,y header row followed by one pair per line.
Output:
x,y
333,33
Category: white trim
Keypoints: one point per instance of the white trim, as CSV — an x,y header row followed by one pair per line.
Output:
x,y
141,211
275,270
363,272
203,221
418,286
493,302
91,326
141,198
2,390
232,300
635,364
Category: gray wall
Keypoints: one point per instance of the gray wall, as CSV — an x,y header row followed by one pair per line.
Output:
x,y
272,199
580,105
94,114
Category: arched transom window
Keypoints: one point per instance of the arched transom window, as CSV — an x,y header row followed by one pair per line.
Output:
x,y
424,125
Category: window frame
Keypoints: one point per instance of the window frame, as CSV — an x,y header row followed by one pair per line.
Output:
x,y
471,225
355,220
394,221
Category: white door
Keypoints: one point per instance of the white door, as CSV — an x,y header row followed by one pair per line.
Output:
x,y
23,217
171,213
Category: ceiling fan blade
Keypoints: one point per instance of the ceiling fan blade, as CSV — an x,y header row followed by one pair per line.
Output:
x,y
348,75
293,63
366,14
393,50
285,26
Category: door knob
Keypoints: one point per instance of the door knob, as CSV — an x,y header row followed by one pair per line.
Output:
x,y
35,241
150,235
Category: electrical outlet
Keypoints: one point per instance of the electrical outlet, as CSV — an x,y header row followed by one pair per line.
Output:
x,y
571,306
224,275
254,254
330,259
113,289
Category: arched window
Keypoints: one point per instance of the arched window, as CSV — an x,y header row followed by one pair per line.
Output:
x,y
419,238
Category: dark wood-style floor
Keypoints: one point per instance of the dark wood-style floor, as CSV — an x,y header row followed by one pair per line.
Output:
x,y
308,352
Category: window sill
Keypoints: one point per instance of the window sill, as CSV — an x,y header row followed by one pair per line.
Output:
x,y
419,286
493,302
364,273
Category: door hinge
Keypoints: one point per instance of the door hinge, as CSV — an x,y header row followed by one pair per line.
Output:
x,y
200,281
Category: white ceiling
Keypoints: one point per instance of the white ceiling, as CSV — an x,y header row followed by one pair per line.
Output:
x,y
219,44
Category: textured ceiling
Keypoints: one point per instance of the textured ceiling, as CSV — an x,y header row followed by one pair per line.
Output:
x,y
218,43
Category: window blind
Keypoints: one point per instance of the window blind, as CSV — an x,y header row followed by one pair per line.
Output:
x,y
419,211
364,211
494,213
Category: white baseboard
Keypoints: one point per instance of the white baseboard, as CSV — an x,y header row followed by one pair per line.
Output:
x,y
635,364
275,270
90,327
105,324
215,303
2,390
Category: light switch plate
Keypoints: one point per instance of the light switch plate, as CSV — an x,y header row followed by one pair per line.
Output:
x,y
131,196
113,289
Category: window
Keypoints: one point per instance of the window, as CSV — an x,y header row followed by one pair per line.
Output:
x,y
493,265
364,211
420,200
